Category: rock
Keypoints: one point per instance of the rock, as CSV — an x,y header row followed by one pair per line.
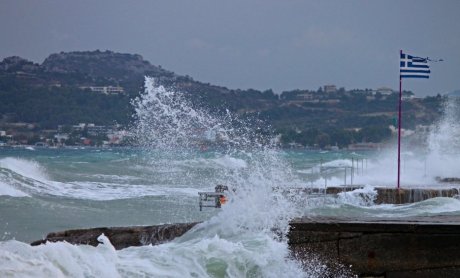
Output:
x,y
121,237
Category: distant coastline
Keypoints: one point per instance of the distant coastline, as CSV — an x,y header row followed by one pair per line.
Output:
x,y
84,98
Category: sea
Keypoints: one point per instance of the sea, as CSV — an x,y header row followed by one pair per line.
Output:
x,y
157,181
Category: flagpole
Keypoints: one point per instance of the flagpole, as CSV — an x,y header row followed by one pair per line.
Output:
x,y
399,125
409,67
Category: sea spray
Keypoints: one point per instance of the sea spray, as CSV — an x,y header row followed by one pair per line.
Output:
x,y
167,121
444,142
420,165
258,211
359,197
171,131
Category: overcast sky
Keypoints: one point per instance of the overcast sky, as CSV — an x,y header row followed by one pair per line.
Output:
x,y
264,44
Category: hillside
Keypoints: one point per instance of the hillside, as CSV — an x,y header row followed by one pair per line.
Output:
x,y
74,72
96,87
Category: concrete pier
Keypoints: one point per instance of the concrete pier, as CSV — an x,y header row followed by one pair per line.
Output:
x,y
398,247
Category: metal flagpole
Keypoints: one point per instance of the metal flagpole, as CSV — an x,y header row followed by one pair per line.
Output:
x,y
411,67
399,125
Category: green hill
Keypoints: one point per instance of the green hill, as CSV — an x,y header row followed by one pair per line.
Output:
x,y
60,91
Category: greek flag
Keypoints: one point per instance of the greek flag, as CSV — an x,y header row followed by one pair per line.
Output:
x,y
413,67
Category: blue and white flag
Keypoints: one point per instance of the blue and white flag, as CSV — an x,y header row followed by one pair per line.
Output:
x,y
413,67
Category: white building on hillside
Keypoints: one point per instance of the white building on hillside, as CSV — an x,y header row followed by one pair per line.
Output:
x,y
330,88
107,90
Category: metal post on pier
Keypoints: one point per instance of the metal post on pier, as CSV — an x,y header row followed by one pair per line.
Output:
x,y
312,176
425,167
352,169
345,184
325,181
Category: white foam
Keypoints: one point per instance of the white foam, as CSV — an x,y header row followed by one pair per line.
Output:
x,y
427,207
111,191
359,197
221,162
31,178
61,259
338,163
19,177
27,168
440,158
250,256
440,205
230,162
8,190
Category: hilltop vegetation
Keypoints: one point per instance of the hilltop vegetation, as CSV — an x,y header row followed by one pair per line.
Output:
x,y
58,92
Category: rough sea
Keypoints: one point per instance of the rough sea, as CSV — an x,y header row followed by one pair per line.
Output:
x,y
44,190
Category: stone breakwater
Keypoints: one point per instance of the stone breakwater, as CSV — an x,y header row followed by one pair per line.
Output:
x,y
386,195
121,237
